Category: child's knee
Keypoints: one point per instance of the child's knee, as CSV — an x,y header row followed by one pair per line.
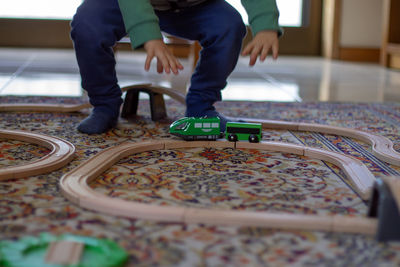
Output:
x,y
239,26
233,27
81,29
88,29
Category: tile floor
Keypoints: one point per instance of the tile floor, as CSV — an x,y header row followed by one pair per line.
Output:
x,y
55,73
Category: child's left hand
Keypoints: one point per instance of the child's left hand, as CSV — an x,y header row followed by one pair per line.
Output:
x,y
262,43
166,61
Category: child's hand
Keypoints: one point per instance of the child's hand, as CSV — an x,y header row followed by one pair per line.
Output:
x,y
262,43
165,59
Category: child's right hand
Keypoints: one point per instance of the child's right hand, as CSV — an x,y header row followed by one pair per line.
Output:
x,y
166,61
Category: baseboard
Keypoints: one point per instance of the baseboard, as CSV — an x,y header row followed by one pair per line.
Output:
x,y
359,54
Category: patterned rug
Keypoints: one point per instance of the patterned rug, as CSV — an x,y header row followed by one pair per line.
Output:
x,y
203,177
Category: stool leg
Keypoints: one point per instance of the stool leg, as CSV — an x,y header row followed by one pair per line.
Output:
x,y
130,103
157,106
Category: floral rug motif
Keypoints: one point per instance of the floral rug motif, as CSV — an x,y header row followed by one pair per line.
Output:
x,y
218,178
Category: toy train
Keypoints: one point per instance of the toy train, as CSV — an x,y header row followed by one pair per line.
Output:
x,y
209,128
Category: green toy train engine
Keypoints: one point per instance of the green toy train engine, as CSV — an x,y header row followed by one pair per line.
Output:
x,y
205,128
191,128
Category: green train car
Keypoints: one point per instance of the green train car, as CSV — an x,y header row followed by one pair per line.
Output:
x,y
191,128
242,131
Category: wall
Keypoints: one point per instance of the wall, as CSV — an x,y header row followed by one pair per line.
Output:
x,y
361,23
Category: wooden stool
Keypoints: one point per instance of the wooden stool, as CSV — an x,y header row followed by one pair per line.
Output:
x,y
180,48
156,94
157,104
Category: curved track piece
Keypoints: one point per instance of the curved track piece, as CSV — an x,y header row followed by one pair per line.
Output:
x,y
158,89
44,107
61,153
74,108
382,147
74,186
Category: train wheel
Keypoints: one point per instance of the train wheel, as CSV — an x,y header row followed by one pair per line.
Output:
x,y
253,138
232,137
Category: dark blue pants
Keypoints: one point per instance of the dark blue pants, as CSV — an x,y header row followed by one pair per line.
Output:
x,y
98,25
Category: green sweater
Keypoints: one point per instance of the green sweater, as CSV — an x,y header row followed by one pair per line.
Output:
x,y
142,23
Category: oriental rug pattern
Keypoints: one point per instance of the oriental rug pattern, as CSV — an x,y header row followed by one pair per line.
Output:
x,y
205,177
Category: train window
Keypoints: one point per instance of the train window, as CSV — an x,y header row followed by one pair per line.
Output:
x,y
243,130
181,126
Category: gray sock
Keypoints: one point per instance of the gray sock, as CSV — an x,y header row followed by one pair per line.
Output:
x,y
97,122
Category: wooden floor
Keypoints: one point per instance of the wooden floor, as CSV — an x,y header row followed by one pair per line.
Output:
x,y
38,72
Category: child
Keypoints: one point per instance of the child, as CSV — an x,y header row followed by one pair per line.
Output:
x,y
99,24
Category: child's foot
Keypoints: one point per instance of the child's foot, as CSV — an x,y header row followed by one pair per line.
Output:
x,y
98,122
211,112
223,119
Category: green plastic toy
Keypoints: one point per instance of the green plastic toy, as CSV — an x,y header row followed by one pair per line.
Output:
x,y
192,128
243,131
31,251
205,128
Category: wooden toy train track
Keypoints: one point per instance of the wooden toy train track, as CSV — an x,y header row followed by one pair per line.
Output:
x,y
61,153
74,186
381,146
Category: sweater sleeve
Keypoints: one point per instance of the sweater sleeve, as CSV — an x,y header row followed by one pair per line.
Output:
x,y
140,21
263,15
